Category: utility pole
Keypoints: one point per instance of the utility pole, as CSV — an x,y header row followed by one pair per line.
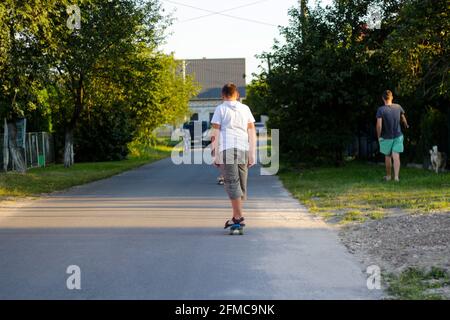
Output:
x,y
183,70
303,15
448,132
303,8
269,63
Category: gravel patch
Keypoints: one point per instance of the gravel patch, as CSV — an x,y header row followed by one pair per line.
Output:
x,y
401,241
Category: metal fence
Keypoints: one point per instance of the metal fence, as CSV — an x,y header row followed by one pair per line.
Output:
x,y
39,150
363,147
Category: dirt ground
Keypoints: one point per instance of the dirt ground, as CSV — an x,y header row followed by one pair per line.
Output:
x,y
401,240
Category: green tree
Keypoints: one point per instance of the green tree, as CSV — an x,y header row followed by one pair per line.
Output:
x,y
163,94
418,47
257,96
145,93
326,77
319,82
23,26
418,52
110,31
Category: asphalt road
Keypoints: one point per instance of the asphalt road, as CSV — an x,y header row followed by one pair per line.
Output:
x,y
157,233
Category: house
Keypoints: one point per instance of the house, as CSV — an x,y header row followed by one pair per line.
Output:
x,y
212,75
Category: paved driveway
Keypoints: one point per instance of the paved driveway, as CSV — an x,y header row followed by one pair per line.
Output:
x,y
156,233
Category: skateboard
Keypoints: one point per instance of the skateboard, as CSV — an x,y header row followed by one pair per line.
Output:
x,y
237,227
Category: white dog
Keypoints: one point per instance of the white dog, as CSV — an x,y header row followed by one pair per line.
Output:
x,y
438,159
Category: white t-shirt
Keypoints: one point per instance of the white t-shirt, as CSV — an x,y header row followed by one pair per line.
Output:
x,y
233,118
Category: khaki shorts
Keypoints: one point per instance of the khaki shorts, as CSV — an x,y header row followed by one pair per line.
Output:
x,y
235,172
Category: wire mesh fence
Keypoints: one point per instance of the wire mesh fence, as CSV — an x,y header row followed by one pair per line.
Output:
x,y
38,151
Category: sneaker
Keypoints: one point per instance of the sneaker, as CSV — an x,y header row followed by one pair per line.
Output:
x,y
239,221
234,221
228,224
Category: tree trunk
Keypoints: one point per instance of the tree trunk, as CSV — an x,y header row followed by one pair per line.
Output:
x,y
17,152
338,156
68,146
68,149
448,136
5,148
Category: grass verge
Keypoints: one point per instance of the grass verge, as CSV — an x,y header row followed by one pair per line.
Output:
x,y
56,177
356,192
417,284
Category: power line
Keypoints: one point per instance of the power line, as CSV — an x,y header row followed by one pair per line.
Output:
x,y
220,13
227,10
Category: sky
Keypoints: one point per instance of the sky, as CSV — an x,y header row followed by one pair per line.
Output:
x,y
249,29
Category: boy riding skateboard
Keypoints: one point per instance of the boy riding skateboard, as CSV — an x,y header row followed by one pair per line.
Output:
x,y
234,147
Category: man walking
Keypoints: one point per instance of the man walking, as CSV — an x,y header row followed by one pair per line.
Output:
x,y
389,133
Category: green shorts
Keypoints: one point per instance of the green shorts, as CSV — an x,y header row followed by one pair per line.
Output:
x,y
387,146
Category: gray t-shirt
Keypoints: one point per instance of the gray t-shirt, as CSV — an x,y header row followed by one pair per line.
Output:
x,y
391,116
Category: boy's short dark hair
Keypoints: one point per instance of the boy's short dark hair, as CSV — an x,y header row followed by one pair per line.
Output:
x,y
229,89
387,95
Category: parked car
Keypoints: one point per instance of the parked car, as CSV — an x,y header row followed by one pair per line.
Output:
x,y
196,137
260,128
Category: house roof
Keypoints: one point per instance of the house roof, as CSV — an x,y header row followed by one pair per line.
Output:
x,y
213,74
